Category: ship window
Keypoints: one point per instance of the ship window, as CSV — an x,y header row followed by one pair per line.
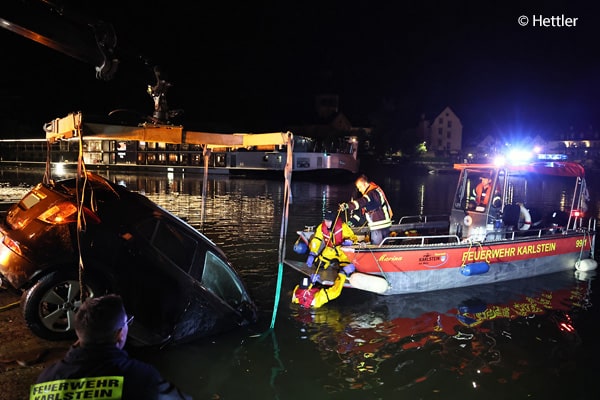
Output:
x,y
303,162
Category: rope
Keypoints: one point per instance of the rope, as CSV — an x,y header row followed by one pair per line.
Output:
x,y
371,251
9,306
468,251
379,266
206,153
327,241
81,171
581,251
275,371
464,264
48,169
588,234
364,224
81,224
287,172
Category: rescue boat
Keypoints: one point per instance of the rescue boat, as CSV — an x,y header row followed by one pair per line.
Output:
x,y
534,220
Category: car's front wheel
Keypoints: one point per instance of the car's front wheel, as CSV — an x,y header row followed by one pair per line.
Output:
x,y
49,306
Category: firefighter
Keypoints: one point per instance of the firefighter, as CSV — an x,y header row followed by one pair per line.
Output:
x,y
325,246
314,296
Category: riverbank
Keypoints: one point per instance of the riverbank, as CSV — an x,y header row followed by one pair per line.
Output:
x,y
23,355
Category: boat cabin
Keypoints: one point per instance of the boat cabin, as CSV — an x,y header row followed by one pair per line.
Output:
x,y
493,201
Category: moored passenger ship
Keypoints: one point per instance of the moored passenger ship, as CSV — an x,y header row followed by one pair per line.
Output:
x,y
311,159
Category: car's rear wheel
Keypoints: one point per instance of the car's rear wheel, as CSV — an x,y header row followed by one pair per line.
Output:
x,y
49,306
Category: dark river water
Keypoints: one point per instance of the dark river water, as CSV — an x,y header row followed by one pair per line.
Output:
x,y
528,339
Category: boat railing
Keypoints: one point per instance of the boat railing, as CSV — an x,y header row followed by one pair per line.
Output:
x,y
489,237
553,230
408,219
512,235
420,240
413,222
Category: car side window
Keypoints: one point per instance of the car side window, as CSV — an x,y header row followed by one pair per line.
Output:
x,y
175,244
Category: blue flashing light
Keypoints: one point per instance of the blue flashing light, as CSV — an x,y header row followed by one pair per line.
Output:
x,y
519,156
552,157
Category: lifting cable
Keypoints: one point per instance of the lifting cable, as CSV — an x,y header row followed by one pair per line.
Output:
x,y
48,170
81,224
287,172
79,190
287,197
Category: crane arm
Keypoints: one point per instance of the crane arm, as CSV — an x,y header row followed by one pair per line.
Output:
x,y
52,24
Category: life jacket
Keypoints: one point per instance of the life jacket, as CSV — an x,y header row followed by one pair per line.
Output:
x,y
335,236
384,201
483,196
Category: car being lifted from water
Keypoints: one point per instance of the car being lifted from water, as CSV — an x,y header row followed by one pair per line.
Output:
x,y
90,233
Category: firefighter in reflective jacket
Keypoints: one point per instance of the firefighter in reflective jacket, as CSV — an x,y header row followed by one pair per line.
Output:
x,y
375,207
325,246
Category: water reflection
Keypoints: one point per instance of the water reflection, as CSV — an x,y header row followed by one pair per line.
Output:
x,y
407,339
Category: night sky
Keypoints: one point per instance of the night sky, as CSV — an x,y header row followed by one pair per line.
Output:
x,y
257,65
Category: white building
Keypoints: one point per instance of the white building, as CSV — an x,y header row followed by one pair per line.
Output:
x,y
444,133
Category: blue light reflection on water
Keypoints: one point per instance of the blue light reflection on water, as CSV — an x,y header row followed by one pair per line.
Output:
x,y
523,339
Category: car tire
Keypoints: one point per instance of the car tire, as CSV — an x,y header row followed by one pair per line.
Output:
x,y
49,306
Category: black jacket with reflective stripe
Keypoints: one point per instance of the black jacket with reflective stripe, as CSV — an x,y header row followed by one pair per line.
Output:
x,y
140,380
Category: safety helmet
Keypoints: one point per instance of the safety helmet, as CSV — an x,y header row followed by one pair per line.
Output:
x,y
329,215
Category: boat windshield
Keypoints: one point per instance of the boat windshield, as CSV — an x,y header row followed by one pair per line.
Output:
x,y
487,190
476,189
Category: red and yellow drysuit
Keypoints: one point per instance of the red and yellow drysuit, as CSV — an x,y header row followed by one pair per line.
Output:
x,y
325,244
315,297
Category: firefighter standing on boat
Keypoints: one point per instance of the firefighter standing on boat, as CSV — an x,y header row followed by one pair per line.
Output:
x,y
375,206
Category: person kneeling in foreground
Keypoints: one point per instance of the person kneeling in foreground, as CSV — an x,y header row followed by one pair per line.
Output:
x,y
96,366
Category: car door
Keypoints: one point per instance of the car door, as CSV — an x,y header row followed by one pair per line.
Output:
x,y
154,283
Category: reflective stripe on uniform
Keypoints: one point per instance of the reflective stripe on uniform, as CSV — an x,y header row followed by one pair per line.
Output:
x,y
98,387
